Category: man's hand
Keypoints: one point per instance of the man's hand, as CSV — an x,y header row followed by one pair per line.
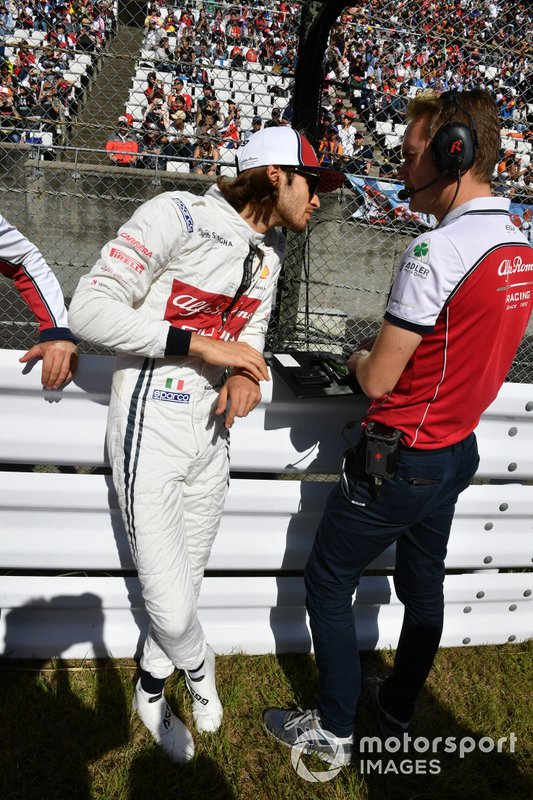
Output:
x,y
243,393
60,359
230,354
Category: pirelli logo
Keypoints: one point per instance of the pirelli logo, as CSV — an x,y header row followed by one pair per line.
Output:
x,y
120,255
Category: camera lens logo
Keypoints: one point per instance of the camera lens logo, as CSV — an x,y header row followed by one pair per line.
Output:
x,y
302,746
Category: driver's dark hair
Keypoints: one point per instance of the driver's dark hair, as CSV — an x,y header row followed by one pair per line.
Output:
x,y
251,186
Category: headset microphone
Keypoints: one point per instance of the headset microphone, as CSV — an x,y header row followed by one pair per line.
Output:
x,y
405,194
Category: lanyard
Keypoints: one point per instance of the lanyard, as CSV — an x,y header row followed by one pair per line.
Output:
x,y
246,280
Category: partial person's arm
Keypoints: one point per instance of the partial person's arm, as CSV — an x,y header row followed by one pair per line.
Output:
x,y
22,262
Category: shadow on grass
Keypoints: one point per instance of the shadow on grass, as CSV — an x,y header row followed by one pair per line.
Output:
x,y
154,777
50,734
418,773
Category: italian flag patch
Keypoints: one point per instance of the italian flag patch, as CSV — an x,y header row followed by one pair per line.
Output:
x,y
172,383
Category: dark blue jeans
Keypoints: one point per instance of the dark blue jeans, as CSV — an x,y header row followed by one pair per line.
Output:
x,y
414,509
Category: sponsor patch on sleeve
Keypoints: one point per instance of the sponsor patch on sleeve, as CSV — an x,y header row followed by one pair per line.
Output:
x,y
185,213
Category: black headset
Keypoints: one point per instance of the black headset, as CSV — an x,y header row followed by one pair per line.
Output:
x,y
454,145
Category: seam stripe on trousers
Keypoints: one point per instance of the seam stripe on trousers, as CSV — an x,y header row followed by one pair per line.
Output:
x,y
133,428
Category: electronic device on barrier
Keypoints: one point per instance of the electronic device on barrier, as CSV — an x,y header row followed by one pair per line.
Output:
x,y
314,374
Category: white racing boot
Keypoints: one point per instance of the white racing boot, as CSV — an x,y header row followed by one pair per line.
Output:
x,y
167,729
206,706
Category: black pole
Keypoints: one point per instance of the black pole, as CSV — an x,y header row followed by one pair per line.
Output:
x,y
317,19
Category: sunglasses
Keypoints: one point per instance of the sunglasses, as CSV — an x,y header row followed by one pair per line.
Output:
x,y
312,178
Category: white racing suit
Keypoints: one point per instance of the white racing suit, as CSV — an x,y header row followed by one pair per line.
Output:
x,y
177,262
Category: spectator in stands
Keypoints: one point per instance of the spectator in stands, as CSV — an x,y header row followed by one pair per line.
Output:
x,y
22,262
25,100
24,61
153,144
208,101
154,86
346,136
205,158
362,156
59,37
275,119
177,109
330,148
178,90
204,54
163,56
179,139
7,79
7,23
157,114
87,38
232,121
41,16
202,26
257,124
208,127
123,145
10,119
220,58
153,35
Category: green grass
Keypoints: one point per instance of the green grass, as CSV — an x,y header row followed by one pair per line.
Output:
x,y
67,732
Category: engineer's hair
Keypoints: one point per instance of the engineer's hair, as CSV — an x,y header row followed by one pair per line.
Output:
x,y
481,106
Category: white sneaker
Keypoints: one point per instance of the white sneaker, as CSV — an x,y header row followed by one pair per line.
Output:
x,y
167,729
206,706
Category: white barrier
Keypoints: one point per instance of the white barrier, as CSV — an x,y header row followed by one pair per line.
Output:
x,y
53,524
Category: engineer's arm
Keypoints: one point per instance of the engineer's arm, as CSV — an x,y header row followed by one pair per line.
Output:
x,y
378,370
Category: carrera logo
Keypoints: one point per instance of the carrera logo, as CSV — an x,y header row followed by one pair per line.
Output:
x,y
171,397
126,259
136,244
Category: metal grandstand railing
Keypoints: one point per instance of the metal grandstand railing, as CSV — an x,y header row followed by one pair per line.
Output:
x,y
70,160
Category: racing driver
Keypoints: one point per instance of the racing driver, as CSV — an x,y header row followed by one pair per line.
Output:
x,y
183,293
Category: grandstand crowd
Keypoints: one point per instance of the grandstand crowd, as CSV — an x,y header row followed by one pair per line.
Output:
x,y
379,55
39,42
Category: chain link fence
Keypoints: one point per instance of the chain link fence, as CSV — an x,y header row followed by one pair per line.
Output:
x,y
104,105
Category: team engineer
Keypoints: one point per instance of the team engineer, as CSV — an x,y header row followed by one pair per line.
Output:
x,y
458,308
182,293
23,263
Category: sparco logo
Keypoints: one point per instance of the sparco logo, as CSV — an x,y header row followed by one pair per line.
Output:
x,y
171,397
189,305
508,267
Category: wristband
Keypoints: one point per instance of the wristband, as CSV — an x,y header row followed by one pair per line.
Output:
x,y
178,342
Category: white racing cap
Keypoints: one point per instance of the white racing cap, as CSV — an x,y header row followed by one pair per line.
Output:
x,y
287,148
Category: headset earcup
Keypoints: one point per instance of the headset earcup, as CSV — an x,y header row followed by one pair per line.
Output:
x,y
453,148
